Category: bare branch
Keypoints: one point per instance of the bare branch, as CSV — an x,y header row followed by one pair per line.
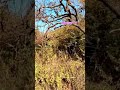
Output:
x,y
57,12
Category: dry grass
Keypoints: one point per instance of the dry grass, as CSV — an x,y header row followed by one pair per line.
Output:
x,y
55,70
59,74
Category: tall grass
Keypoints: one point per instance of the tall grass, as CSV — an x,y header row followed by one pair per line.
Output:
x,y
55,69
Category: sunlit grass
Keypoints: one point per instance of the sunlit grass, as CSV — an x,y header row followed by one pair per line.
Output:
x,y
56,70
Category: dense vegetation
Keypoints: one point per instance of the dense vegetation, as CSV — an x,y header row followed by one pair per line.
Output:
x,y
59,63
102,45
59,54
16,51
60,51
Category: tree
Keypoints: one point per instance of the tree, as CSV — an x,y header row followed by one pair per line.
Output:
x,y
52,13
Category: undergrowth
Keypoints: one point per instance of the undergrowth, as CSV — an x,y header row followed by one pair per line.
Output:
x,y
55,69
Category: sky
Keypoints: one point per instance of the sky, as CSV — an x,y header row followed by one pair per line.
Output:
x,y
40,23
20,6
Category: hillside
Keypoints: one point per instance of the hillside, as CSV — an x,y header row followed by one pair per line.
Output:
x,y
58,61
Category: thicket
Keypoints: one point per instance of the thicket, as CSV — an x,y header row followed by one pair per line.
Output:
x,y
16,51
102,45
59,67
